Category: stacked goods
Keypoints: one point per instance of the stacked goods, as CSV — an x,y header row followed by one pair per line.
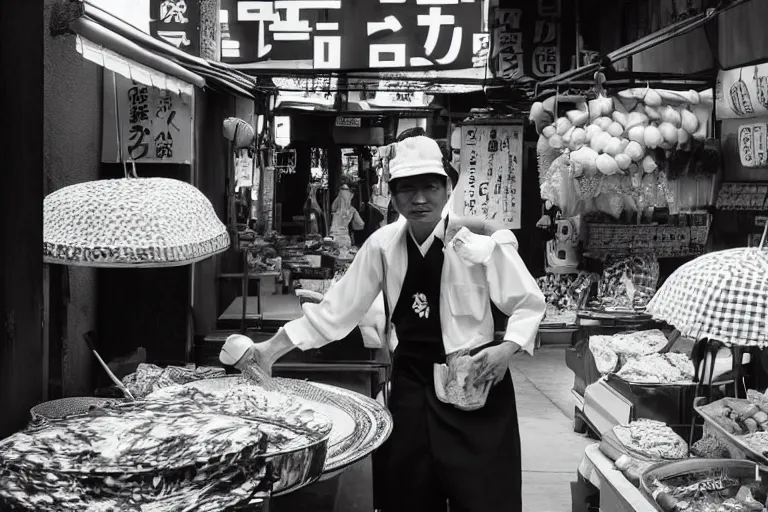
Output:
x,y
564,293
628,283
168,456
612,148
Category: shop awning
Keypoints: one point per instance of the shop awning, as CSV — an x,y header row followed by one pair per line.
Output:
x,y
650,41
124,49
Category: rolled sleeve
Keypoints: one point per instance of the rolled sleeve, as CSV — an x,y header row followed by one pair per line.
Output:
x,y
343,306
515,292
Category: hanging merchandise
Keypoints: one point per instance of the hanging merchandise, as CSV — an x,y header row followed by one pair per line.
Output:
x,y
131,222
615,150
238,132
491,163
243,170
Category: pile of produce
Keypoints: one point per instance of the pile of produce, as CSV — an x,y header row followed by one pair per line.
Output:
x,y
564,293
666,368
651,440
635,357
747,420
710,491
613,147
641,444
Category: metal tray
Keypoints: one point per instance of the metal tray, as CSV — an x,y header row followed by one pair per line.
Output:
x,y
303,430
360,424
737,446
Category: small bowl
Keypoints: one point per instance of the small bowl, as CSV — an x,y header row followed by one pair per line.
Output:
x,y
454,383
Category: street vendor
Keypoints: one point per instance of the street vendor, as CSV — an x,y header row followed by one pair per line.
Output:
x,y
440,303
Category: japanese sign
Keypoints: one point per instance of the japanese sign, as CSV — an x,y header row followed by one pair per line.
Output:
x,y
742,93
155,125
491,172
526,41
176,22
351,34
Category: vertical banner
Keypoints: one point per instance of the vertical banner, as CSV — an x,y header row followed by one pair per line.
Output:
x,y
491,172
526,41
154,125
176,22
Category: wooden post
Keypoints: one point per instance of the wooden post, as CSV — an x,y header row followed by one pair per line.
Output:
x,y
21,212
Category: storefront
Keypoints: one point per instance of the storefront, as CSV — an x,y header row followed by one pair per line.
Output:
x,y
641,158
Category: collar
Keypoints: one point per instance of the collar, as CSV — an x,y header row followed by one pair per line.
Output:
x,y
438,232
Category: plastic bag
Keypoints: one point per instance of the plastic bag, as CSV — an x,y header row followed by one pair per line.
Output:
x,y
611,203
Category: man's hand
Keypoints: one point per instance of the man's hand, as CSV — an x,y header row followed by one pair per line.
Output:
x,y
240,350
491,364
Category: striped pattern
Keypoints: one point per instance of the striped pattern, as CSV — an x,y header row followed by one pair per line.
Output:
x,y
721,296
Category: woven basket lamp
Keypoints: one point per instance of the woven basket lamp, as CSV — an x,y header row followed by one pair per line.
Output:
x,y
129,223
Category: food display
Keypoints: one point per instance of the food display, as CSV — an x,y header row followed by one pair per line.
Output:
x,y
169,455
564,293
149,377
611,352
669,368
651,439
627,283
721,489
615,148
739,416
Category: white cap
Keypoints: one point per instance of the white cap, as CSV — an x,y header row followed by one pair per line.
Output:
x,y
415,156
234,349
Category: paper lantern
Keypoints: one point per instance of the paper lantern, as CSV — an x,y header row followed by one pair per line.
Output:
x,y
131,222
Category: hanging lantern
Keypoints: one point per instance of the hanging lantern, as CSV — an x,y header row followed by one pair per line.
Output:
x,y
131,222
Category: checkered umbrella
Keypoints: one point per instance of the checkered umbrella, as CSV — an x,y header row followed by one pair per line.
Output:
x,y
720,296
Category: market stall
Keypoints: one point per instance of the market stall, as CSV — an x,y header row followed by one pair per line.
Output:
x,y
650,175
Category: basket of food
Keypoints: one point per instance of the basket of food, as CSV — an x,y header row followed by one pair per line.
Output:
x,y
741,424
706,485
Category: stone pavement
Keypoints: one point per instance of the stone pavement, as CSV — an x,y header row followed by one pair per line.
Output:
x,y
551,450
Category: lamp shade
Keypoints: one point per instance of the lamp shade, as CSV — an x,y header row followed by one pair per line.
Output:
x,y
131,222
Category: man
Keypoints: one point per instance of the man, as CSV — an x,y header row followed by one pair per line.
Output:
x,y
440,303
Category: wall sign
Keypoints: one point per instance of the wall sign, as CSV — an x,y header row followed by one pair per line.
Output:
x,y
526,41
177,22
351,34
349,122
155,125
753,145
491,172
742,93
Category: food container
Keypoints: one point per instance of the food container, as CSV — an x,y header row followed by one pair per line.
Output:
x,y
728,467
453,383
736,445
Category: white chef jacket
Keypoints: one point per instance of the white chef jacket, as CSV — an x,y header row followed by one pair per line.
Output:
x,y
465,313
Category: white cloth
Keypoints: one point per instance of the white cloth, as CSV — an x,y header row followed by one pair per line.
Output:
x,y
465,313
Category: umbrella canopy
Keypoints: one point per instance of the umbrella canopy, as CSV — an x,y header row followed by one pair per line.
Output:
x,y
131,222
720,296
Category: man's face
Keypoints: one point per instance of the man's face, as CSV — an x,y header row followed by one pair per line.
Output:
x,y
421,198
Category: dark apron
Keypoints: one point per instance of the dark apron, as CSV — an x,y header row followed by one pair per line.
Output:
x,y
436,452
